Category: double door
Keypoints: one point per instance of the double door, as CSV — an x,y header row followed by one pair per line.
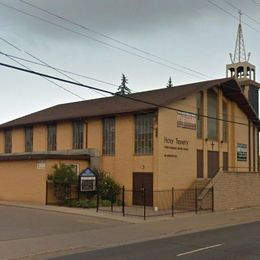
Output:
x,y
143,189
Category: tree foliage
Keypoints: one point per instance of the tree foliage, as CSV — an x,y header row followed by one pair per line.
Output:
x,y
169,84
123,89
63,177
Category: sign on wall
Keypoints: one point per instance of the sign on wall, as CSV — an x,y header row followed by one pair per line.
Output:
x,y
174,146
241,152
40,165
186,120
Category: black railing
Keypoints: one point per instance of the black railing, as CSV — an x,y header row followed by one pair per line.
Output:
x,y
139,203
145,203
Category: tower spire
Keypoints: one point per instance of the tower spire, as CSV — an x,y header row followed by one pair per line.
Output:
x,y
240,51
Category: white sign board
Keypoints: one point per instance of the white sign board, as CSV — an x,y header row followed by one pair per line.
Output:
x,y
41,165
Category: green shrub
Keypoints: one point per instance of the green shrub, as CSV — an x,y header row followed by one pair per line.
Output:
x,y
83,203
105,203
108,189
63,177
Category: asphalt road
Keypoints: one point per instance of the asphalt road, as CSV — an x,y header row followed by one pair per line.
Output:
x,y
23,223
236,242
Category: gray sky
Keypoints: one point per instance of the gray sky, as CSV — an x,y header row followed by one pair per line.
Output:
x,y
192,34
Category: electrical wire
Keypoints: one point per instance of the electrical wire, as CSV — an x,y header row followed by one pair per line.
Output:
x,y
101,42
110,38
46,64
71,92
129,97
245,14
63,70
33,62
230,14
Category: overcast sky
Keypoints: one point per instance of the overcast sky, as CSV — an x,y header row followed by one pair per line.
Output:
x,y
191,40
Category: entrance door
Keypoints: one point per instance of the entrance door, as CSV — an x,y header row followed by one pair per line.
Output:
x,y
142,181
213,163
199,163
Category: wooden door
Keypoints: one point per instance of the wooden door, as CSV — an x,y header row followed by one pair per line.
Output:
x,y
142,181
199,163
213,163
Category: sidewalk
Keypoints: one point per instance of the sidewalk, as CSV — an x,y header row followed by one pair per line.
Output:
x,y
136,230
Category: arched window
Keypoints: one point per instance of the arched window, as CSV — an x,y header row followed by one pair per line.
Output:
x,y
240,72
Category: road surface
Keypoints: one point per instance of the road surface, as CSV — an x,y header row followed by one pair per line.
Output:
x,y
236,242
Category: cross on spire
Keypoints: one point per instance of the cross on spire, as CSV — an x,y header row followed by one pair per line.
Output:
x,y
240,51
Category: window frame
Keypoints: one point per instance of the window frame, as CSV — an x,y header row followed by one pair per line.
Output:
x,y
77,134
8,141
109,134
28,139
224,123
76,166
200,107
211,121
144,134
52,137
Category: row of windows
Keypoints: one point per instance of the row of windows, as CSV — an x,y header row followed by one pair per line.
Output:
x,y
212,108
51,138
143,136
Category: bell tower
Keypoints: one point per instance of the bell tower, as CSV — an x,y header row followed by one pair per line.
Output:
x,y
242,70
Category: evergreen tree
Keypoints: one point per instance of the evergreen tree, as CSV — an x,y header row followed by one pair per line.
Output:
x,y
169,85
123,89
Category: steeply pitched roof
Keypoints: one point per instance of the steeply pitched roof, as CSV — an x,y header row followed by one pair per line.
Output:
x,y
118,105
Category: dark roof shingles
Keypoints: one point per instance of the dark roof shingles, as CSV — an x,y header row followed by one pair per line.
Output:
x,y
114,105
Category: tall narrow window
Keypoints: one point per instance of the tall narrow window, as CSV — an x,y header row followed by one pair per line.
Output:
x,y
78,134
28,139
109,136
225,123
52,137
8,141
199,113
144,134
212,113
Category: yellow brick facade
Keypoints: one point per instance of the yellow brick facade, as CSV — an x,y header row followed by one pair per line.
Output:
x,y
173,162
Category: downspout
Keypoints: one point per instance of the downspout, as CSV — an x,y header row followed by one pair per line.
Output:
x,y
257,146
249,146
253,148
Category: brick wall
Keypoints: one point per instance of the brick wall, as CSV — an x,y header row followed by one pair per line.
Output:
x,y
236,190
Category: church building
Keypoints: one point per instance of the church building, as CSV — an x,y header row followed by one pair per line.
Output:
x,y
177,137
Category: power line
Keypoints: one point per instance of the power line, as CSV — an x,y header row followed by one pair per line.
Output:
x,y
62,73
109,37
130,97
71,92
66,71
248,16
230,14
11,58
46,64
255,2
33,62
101,42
